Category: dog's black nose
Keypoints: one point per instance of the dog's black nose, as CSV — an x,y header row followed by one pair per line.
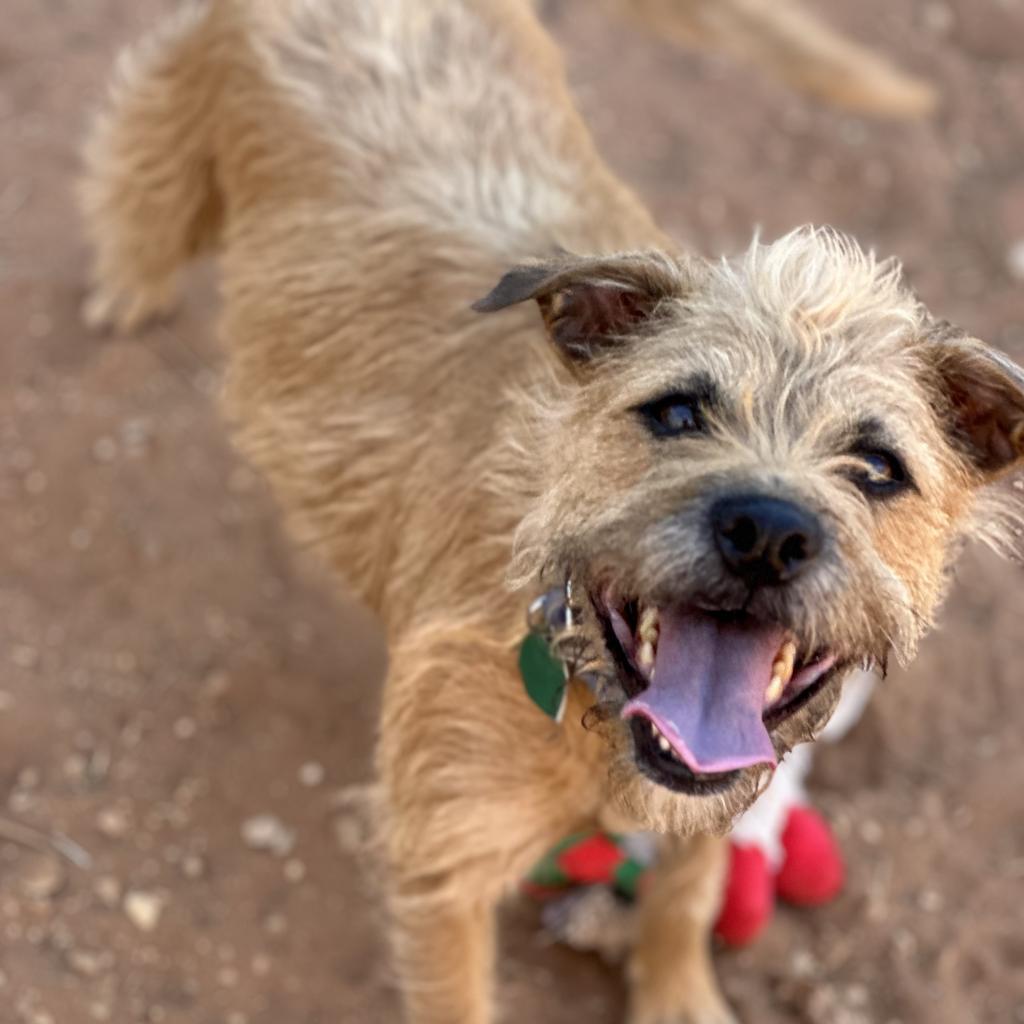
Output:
x,y
765,540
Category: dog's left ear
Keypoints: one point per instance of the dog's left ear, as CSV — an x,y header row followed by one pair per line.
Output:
x,y
983,393
590,304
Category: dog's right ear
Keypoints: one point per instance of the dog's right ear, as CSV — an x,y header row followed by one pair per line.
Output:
x,y
983,400
590,304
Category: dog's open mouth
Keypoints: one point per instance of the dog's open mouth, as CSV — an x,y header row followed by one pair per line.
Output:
x,y
706,689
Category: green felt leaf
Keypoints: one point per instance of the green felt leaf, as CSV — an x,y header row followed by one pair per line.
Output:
x,y
543,676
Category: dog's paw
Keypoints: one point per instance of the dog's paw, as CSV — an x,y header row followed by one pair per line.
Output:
x,y
707,1015
707,1008
107,310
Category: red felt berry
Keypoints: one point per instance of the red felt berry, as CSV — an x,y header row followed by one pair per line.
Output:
x,y
591,861
749,896
813,870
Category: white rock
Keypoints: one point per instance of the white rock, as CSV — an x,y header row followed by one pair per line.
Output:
x,y
143,909
113,822
267,832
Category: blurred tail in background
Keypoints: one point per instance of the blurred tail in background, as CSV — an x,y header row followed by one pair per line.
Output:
x,y
792,44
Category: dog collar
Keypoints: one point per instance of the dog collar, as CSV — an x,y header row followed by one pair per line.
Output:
x,y
545,675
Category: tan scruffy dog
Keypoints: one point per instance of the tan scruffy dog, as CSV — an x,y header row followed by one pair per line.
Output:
x,y
753,474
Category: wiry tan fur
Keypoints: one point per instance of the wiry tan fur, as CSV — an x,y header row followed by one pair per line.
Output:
x,y
367,171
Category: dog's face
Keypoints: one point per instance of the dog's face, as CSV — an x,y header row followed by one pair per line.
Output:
x,y
757,475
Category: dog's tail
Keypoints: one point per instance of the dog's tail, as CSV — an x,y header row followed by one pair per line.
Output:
x,y
794,45
149,195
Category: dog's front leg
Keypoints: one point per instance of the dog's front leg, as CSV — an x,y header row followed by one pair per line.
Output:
x,y
672,979
477,787
443,945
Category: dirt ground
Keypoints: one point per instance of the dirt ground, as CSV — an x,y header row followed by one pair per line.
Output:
x,y
194,709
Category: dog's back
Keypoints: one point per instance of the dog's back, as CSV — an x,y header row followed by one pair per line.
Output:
x,y
418,112
367,171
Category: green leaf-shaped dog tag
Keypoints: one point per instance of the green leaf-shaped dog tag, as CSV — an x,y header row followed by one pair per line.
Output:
x,y
543,676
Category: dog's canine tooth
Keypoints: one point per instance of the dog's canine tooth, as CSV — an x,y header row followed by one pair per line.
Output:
x,y
663,743
785,662
645,656
775,688
648,626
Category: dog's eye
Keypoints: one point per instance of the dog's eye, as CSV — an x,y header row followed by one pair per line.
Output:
x,y
879,473
673,415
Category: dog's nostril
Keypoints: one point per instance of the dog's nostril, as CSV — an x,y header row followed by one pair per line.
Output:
x,y
742,534
793,549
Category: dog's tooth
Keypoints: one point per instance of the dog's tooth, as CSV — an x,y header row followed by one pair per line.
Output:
x,y
654,731
648,626
775,688
785,661
663,743
645,655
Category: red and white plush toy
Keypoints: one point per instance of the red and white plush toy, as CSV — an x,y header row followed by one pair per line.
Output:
x,y
782,848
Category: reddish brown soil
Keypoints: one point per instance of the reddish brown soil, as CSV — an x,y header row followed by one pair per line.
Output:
x,y
168,669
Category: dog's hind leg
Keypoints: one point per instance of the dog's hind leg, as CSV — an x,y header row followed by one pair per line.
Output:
x,y
148,194
671,977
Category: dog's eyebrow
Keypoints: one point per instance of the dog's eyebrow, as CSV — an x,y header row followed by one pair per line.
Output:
x,y
699,387
872,433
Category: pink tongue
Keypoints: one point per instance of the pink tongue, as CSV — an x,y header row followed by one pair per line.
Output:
x,y
707,695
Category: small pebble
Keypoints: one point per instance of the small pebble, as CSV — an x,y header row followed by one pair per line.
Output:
x,y
871,832
88,963
193,867
185,728
104,449
267,832
113,822
43,877
36,482
294,871
81,538
143,909
108,891
24,656
275,924
227,977
312,774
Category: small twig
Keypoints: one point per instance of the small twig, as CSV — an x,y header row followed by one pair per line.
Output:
x,y
33,839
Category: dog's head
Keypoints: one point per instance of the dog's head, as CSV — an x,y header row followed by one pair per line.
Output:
x,y
757,472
